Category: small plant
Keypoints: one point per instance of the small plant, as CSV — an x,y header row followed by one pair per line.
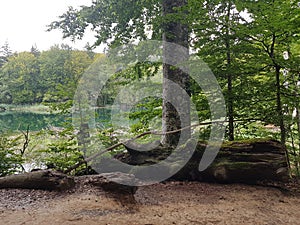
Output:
x,y
10,158
63,152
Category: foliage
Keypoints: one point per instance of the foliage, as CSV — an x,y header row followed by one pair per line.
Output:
x,y
62,153
20,74
43,77
114,22
10,157
251,46
5,53
242,42
147,115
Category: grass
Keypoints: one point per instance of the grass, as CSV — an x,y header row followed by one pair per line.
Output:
x,y
36,108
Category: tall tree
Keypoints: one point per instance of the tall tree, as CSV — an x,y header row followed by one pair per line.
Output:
x,y
119,22
175,31
5,53
21,76
274,27
214,25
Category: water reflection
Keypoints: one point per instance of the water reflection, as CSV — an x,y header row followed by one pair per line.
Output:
x,y
16,120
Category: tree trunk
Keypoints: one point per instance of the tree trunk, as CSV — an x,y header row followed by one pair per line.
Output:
x,y
249,161
279,105
229,78
177,33
41,179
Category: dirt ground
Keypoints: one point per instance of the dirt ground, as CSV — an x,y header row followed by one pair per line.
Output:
x,y
167,203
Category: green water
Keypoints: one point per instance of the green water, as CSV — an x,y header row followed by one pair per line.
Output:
x,y
16,120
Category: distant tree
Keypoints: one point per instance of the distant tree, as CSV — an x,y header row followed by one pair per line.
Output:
x,y
34,50
21,77
5,53
52,69
89,50
61,69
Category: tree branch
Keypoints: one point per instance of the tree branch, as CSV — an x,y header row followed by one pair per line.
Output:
x,y
26,142
142,135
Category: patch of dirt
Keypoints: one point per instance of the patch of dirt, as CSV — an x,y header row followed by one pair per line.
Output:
x,y
164,203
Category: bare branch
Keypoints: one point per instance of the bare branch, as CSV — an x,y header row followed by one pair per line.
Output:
x,y
142,135
26,142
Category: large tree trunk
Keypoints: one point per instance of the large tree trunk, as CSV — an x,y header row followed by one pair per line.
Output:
x,y
244,161
114,183
249,162
177,33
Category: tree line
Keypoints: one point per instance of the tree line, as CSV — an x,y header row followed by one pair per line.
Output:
x,y
34,76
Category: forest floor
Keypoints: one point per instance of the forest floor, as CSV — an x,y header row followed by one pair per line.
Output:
x,y
164,203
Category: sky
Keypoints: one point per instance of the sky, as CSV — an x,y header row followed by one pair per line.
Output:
x,y
23,23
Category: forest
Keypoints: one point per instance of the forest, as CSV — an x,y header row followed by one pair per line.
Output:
x,y
252,48
140,123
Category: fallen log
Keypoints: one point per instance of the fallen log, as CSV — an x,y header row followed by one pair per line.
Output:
x,y
245,161
116,183
41,179
248,161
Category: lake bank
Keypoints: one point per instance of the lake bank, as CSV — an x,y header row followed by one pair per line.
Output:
x,y
38,117
37,108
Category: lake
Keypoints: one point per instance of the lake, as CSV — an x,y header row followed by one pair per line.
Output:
x,y
18,120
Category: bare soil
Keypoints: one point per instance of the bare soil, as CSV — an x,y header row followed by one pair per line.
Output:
x,y
165,203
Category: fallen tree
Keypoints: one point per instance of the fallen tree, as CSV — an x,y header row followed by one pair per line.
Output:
x,y
56,181
40,179
249,161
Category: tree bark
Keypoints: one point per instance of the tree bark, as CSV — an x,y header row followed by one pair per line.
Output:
x,y
229,78
279,106
249,161
177,33
41,179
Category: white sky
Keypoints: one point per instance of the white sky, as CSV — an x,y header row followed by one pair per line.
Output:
x,y
23,23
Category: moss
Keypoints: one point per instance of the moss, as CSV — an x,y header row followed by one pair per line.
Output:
x,y
236,144
234,165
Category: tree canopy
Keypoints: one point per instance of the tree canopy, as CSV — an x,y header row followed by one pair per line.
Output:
x,y
251,46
